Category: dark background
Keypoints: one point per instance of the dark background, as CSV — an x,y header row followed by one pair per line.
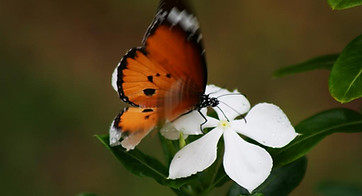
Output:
x,y
57,57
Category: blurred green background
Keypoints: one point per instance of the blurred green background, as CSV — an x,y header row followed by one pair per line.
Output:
x,y
56,60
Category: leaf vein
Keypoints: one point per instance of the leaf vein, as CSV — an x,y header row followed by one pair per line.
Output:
x,y
323,131
145,164
353,81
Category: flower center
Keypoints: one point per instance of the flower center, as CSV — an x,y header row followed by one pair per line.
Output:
x,y
224,124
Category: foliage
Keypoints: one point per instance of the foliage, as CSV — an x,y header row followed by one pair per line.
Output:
x,y
336,189
314,129
320,62
141,164
345,80
290,163
291,157
344,4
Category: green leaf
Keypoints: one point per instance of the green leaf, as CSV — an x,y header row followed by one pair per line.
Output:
x,y
221,178
345,81
321,62
313,130
142,165
280,182
169,148
344,4
337,189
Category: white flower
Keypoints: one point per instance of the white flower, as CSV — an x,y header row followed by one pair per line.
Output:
x,y
232,104
245,163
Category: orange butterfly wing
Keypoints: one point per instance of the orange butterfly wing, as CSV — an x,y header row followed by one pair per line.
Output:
x,y
131,119
167,75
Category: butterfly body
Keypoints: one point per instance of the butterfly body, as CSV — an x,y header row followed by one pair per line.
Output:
x,y
164,78
207,101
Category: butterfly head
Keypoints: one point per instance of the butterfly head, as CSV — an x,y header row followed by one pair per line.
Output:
x,y
207,101
214,102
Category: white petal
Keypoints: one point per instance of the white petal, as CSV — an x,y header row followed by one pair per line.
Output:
x,y
246,164
196,156
214,91
232,104
267,124
190,123
170,132
211,122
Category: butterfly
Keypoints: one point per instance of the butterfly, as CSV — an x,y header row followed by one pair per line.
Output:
x,y
162,79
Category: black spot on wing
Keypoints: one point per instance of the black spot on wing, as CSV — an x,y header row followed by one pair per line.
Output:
x,y
149,91
168,75
147,117
150,78
158,75
147,110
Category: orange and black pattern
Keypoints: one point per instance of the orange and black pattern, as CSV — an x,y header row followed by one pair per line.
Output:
x,y
164,78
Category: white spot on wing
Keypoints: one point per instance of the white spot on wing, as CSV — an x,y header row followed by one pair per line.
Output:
x,y
114,136
114,79
187,21
199,38
160,16
174,17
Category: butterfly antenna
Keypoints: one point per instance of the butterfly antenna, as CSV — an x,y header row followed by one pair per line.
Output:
x,y
230,94
223,113
232,109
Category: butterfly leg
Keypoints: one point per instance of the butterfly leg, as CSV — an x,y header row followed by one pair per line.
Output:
x,y
203,122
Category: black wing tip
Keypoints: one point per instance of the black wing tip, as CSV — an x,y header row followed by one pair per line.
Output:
x,y
161,17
